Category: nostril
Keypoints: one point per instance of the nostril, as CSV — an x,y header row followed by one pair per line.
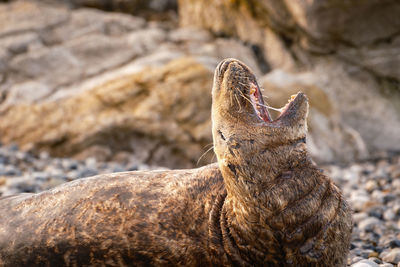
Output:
x,y
220,67
223,65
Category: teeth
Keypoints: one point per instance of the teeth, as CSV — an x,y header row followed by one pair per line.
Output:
x,y
252,90
292,97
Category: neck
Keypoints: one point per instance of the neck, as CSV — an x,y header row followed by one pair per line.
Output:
x,y
250,176
256,191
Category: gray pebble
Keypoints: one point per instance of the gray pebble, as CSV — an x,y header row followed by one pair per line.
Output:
x,y
389,215
91,163
395,243
358,199
9,170
87,172
365,263
356,259
369,223
40,176
69,164
374,259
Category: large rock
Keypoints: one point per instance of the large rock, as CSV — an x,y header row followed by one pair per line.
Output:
x,y
320,26
349,50
51,73
359,107
137,7
162,115
330,139
44,48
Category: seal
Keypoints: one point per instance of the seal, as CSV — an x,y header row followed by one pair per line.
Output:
x,y
263,204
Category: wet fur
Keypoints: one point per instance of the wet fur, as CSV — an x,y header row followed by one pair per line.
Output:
x,y
264,204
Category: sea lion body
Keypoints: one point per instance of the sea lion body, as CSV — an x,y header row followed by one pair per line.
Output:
x,y
264,204
157,218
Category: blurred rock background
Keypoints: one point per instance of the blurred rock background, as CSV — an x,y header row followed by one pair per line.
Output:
x,y
131,79
98,86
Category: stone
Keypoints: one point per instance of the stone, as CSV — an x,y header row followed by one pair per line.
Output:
x,y
371,185
143,41
393,256
365,263
128,6
319,26
382,59
84,22
91,52
21,43
189,34
27,92
369,224
25,16
394,243
355,259
54,66
145,107
359,216
374,258
9,170
87,172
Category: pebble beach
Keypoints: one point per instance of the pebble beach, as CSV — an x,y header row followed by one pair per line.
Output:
x,y
372,188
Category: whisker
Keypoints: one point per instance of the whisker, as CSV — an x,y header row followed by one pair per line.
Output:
x,y
240,106
245,97
208,150
208,145
245,85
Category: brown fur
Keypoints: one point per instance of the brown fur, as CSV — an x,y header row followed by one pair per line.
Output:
x,y
263,204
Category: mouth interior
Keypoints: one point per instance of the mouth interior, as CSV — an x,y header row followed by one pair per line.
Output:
x,y
260,108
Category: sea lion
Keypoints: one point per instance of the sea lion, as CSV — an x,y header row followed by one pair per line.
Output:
x,y
263,204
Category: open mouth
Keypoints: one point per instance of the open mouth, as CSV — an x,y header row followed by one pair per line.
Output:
x,y
260,108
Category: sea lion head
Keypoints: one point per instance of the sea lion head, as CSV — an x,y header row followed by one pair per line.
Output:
x,y
246,138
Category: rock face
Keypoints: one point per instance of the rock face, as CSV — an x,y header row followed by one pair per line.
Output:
x,y
127,6
143,113
331,138
349,50
58,79
319,26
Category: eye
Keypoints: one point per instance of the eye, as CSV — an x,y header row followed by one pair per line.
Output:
x,y
222,136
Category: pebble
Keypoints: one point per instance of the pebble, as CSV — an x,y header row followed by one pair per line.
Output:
x,y
369,224
22,171
374,195
393,256
365,263
389,215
